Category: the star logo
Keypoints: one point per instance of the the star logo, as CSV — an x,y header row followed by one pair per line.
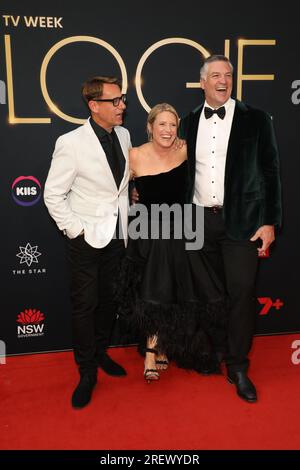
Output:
x,y
28,254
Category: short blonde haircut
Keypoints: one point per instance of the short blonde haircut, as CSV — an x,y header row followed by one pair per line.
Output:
x,y
155,111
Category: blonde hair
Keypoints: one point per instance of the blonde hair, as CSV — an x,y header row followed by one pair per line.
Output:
x,y
155,111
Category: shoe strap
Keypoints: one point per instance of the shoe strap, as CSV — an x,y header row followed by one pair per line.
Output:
x,y
151,350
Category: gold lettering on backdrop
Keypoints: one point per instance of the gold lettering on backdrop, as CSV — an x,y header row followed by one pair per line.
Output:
x,y
138,79
226,53
51,53
30,21
6,17
14,20
34,21
240,76
43,21
148,52
12,119
227,48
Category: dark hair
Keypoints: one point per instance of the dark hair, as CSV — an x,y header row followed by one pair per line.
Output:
x,y
93,88
213,58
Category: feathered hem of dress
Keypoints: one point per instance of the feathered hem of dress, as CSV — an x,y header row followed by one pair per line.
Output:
x,y
184,331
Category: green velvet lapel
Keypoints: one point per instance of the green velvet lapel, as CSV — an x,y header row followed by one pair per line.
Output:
x,y
236,134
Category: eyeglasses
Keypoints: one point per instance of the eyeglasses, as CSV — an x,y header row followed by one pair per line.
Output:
x,y
114,101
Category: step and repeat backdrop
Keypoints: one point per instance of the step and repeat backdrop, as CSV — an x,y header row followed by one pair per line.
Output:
x,y
48,49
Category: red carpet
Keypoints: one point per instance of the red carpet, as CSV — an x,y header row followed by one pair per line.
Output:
x,y
182,411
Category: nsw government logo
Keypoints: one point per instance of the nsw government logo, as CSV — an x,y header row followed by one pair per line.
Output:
x,y
31,323
28,258
26,190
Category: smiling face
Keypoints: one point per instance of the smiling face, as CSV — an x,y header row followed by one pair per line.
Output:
x,y
217,84
105,113
164,129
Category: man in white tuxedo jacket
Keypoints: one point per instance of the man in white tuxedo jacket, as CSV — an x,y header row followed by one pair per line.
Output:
x,y
86,193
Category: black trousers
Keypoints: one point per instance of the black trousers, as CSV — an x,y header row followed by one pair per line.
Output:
x,y
236,263
93,281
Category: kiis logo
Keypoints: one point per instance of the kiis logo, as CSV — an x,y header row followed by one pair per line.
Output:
x,y
26,190
32,323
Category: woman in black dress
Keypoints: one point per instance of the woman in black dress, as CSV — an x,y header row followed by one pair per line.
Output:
x,y
169,293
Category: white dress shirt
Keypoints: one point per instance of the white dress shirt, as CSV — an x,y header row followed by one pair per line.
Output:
x,y
211,150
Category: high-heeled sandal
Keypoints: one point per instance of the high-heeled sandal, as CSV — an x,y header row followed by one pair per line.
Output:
x,y
150,375
164,363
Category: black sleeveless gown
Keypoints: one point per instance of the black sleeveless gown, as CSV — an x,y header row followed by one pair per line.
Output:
x,y
168,291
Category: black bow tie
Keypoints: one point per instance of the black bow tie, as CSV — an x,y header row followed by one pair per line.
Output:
x,y
208,112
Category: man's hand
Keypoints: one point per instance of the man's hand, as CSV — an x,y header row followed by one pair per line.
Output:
x,y
267,235
179,143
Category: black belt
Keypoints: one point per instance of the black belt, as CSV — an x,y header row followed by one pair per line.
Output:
x,y
214,209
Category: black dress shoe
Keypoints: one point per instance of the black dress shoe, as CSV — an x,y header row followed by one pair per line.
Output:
x,y
244,387
83,392
109,366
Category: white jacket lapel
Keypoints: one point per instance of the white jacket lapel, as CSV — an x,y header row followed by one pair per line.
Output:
x,y
96,147
124,146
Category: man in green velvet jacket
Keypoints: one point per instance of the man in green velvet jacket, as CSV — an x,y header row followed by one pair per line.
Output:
x,y
234,173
